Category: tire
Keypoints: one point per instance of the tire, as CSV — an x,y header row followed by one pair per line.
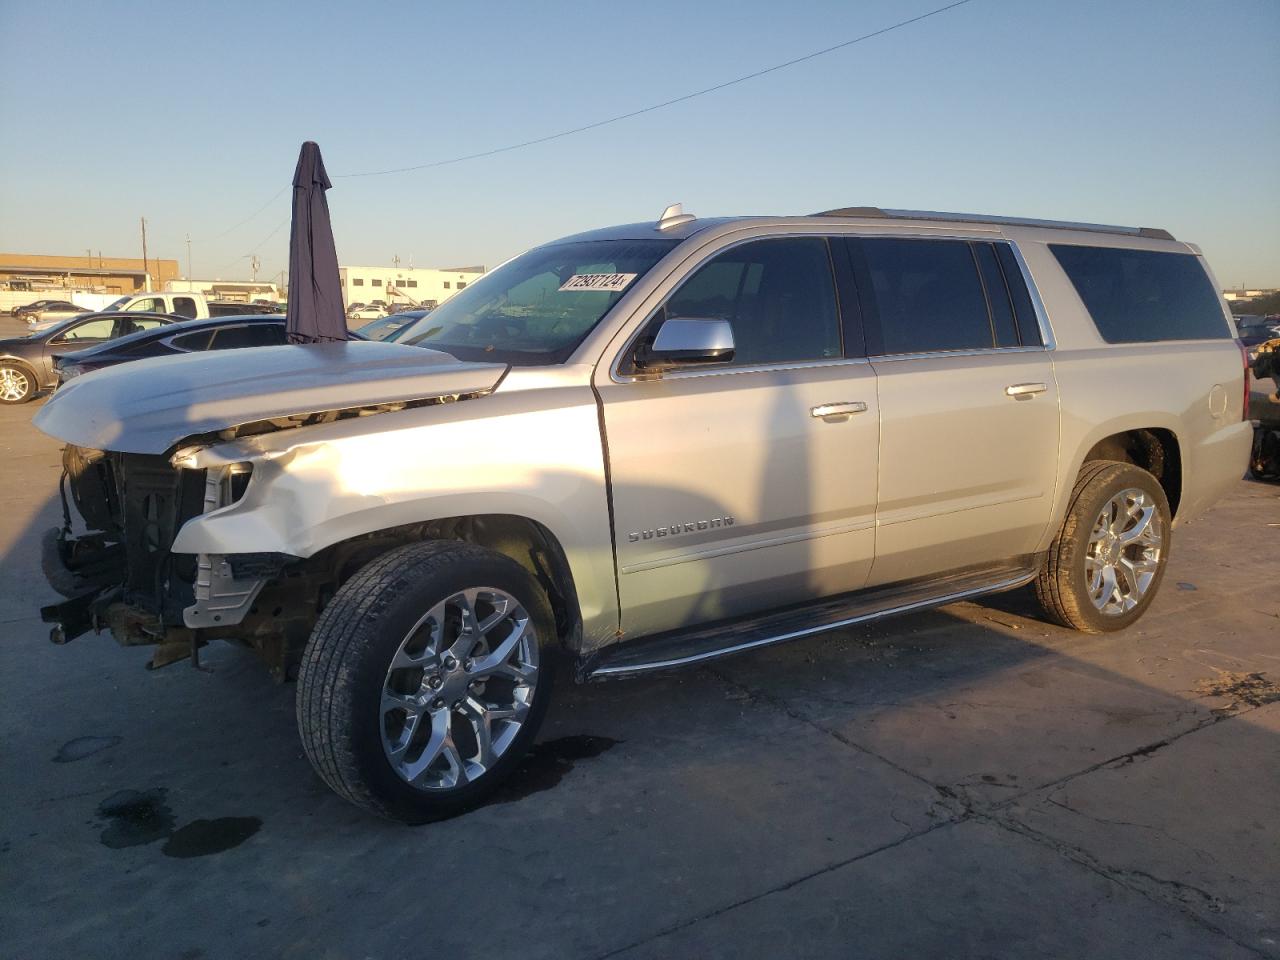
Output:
x,y
391,632
1072,587
17,382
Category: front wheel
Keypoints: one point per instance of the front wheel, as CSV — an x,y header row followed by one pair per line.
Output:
x,y
17,383
425,680
1106,563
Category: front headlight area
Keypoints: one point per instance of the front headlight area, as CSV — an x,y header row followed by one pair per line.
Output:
x,y
226,484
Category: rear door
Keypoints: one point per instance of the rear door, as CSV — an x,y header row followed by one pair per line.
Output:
x,y
969,410
731,492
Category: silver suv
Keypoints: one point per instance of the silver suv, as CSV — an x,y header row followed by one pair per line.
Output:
x,y
648,446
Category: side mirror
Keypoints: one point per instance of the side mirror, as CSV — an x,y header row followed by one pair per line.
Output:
x,y
688,340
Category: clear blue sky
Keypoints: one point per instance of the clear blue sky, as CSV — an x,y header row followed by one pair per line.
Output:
x,y
1161,113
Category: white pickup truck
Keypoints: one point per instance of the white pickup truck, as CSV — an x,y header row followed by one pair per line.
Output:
x,y
643,447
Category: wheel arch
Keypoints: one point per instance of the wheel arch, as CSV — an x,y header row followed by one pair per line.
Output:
x,y
526,541
1155,449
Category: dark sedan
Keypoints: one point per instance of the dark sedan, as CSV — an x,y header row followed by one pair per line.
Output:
x,y
216,333
26,363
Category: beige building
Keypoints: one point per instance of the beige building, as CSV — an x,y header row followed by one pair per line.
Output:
x,y
55,275
405,284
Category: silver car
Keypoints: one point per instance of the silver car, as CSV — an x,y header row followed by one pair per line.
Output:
x,y
644,447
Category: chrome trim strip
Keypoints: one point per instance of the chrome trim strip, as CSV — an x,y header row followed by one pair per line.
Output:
x,y
977,352
1042,315
809,631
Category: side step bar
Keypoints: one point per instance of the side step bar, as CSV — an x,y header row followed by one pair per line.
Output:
x,y
681,648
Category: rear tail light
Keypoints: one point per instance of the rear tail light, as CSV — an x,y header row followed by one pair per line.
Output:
x,y
1244,355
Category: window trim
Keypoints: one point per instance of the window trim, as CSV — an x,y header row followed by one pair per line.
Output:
x,y
617,375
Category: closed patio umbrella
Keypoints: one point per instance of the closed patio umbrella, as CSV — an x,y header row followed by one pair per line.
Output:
x,y
315,313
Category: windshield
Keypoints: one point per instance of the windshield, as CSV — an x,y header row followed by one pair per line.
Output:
x,y
115,304
538,307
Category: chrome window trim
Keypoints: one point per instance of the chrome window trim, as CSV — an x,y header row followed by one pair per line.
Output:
x,y
972,352
1037,304
756,368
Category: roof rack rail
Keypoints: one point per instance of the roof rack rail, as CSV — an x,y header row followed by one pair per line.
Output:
x,y
1151,233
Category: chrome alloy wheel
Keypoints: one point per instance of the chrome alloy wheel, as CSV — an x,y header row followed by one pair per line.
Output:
x,y
459,689
14,384
1125,552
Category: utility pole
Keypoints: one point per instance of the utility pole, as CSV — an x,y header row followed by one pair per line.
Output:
x,y
254,264
396,261
190,275
146,270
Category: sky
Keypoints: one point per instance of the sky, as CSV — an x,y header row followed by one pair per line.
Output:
x,y
1157,113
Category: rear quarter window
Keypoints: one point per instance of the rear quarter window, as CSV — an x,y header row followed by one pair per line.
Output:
x,y
1142,296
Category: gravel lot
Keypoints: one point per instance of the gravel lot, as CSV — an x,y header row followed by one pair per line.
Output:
x,y
964,782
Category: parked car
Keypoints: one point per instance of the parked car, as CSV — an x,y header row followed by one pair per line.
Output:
x,y
48,311
26,363
387,328
1255,329
191,336
366,311
645,447
21,311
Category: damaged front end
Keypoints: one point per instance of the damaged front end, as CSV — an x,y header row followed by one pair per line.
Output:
x,y
121,575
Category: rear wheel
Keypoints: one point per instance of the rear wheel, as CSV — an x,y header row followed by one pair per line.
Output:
x,y
17,383
426,679
1106,563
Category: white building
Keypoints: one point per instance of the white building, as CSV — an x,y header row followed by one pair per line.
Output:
x,y
240,291
404,284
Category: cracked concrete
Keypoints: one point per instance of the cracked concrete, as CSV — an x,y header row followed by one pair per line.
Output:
x,y
965,782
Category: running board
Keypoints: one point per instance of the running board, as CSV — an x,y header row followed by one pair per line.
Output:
x,y
682,648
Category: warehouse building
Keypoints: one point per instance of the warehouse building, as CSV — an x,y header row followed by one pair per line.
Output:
x,y
405,284
55,276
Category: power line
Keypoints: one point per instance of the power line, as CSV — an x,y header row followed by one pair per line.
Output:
x,y
610,120
658,106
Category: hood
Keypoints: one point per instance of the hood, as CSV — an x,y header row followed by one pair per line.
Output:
x,y
148,406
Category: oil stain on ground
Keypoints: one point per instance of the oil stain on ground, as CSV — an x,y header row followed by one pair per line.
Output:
x,y
546,764
199,838
135,817
82,747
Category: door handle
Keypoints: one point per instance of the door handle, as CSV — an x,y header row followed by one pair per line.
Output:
x,y
1025,391
826,411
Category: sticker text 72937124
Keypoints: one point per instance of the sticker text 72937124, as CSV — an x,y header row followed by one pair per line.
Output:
x,y
609,282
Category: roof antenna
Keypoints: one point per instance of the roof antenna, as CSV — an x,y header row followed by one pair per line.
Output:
x,y
673,216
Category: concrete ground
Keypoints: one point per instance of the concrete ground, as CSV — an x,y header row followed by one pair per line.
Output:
x,y
968,782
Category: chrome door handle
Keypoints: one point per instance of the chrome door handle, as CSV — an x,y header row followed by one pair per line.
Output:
x,y
1025,391
831,410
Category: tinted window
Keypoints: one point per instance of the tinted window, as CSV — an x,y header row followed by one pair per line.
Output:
x,y
1140,296
927,296
997,296
248,335
1024,312
778,295
192,341
184,307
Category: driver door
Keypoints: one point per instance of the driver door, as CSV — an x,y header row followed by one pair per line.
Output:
x,y
731,492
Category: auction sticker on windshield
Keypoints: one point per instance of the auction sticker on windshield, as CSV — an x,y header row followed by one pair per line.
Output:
x,y
612,282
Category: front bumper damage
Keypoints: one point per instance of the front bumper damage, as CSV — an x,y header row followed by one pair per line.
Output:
x,y
121,575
